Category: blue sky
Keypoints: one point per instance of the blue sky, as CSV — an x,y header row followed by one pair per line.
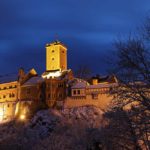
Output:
x,y
87,27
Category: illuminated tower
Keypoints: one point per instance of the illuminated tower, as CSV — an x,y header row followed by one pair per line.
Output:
x,y
56,57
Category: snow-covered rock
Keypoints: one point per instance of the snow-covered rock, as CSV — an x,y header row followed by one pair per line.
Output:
x,y
46,122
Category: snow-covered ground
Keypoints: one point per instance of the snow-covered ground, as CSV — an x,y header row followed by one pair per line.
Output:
x,y
51,125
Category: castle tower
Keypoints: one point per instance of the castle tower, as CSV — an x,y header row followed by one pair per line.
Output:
x,y
56,57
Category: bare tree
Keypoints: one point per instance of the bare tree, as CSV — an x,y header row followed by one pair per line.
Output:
x,y
118,133
133,72
83,72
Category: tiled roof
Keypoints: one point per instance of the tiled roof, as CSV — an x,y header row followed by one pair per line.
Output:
x,y
79,85
83,84
34,80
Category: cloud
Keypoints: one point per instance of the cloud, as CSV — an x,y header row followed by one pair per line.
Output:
x,y
85,26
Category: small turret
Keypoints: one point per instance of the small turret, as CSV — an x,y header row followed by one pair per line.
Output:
x,y
21,75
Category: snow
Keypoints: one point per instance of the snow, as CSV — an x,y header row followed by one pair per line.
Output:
x,y
82,84
47,122
79,85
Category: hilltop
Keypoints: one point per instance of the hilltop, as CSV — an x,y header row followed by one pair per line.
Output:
x,y
52,129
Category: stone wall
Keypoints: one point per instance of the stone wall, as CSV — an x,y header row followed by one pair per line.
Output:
x,y
102,102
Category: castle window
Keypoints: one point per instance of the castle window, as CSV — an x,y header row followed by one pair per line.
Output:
x,y
60,95
95,96
9,95
62,51
60,85
28,91
13,95
53,85
40,96
78,91
49,95
52,58
53,51
74,92
4,96
8,105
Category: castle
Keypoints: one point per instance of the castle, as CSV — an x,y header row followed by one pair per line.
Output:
x,y
57,87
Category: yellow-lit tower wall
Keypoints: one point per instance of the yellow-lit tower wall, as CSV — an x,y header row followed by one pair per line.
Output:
x,y
56,57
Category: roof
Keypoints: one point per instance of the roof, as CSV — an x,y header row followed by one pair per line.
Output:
x,y
56,43
79,85
101,86
33,81
8,78
109,78
55,74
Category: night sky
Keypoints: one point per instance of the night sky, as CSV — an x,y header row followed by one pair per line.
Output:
x,y
87,27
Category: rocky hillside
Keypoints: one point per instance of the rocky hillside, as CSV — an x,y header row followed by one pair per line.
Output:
x,y
53,129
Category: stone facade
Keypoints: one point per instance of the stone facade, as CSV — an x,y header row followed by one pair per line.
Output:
x,y
8,99
56,56
84,93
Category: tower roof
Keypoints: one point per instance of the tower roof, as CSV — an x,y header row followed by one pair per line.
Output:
x,y
57,42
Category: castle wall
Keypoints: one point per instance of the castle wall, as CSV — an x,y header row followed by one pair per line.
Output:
x,y
55,91
30,93
7,110
9,91
8,100
102,101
